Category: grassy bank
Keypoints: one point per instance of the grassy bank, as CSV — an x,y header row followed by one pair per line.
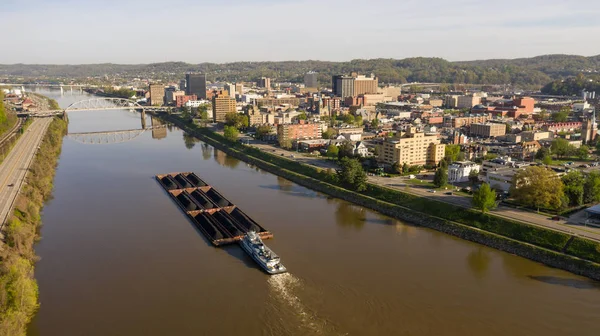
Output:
x,y
18,288
519,231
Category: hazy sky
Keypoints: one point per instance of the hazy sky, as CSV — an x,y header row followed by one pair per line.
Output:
x,y
145,31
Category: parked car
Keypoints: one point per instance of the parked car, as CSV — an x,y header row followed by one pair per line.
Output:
x,y
448,193
432,191
556,218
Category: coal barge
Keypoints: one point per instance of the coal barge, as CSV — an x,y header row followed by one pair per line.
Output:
x,y
216,217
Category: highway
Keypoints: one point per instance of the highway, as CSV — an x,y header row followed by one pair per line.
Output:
x,y
14,167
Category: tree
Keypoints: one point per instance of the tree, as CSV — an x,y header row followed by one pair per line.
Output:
x,y
328,134
484,198
348,118
561,147
508,128
358,120
332,151
374,123
561,116
538,187
544,115
231,119
473,177
591,187
542,153
547,160
203,111
302,116
583,152
230,132
285,144
346,150
452,152
3,117
405,168
263,130
573,185
440,178
352,175
396,168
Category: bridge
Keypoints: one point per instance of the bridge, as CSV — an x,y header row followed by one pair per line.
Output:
x,y
110,137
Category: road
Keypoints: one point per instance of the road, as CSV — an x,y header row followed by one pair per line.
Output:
x,y
14,167
501,211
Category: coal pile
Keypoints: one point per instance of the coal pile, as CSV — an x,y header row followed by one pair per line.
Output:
x,y
227,222
245,221
203,200
203,220
217,198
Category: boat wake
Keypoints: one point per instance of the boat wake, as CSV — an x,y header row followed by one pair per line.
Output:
x,y
283,287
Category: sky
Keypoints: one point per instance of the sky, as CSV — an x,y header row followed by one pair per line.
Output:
x,y
220,31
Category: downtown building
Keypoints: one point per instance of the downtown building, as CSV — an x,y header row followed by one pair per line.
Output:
x,y
353,85
222,104
310,80
195,84
299,131
157,94
412,148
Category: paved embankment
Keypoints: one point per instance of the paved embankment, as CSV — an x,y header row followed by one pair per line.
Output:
x,y
14,167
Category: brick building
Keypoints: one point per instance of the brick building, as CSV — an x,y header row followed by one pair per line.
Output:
x,y
299,131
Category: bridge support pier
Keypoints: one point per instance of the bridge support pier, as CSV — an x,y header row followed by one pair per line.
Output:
x,y
143,116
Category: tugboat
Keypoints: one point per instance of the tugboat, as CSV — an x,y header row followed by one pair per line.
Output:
x,y
267,259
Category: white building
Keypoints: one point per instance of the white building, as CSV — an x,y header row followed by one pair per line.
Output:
x,y
459,171
360,149
195,103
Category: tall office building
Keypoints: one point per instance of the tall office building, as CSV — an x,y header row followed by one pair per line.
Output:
x,y
195,85
182,85
365,85
265,82
222,104
343,86
310,80
157,94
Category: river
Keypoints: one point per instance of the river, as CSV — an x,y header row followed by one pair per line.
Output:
x,y
118,257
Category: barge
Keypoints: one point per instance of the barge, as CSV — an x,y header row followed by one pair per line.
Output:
x,y
216,217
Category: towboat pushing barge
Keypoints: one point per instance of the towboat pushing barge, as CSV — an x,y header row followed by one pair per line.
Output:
x,y
267,259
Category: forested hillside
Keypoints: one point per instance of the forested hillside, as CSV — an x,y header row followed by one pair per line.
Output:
x,y
524,72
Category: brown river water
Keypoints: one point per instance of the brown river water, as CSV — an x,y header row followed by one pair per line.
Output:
x,y
118,257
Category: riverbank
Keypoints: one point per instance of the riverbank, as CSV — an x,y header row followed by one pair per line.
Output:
x,y
18,287
555,249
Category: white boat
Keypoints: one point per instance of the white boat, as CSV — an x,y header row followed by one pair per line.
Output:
x,y
267,259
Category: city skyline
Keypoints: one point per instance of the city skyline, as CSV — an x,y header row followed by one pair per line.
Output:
x,y
127,33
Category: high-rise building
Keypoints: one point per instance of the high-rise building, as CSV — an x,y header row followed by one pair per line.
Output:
x,y
589,129
343,86
195,85
182,85
265,82
412,148
310,80
239,88
222,104
365,85
157,94
354,85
